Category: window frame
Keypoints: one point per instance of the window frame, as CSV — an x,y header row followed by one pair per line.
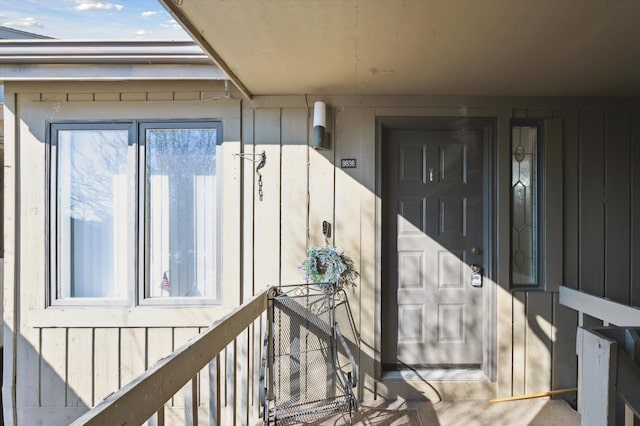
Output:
x,y
539,219
141,232
135,292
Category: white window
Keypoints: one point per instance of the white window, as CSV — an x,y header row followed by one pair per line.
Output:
x,y
134,213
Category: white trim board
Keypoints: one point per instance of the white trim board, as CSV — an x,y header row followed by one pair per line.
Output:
x,y
601,308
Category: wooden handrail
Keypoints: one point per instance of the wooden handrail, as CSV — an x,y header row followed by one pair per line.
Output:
x,y
141,398
601,308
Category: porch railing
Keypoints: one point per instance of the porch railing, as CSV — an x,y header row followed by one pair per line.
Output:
x,y
145,396
611,377
598,307
609,359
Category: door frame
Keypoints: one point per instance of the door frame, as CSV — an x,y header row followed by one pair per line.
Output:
x,y
488,126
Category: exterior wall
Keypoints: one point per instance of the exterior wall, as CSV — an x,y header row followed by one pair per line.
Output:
x,y
64,360
603,177
527,321
535,334
56,350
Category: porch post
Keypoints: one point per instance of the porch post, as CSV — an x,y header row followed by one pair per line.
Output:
x,y
599,358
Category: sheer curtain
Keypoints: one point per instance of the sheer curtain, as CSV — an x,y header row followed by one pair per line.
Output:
x,y
181,213
92,213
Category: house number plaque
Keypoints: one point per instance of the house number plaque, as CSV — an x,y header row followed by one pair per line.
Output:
x,y
347,163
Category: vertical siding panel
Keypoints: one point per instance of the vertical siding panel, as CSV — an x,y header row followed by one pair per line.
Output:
x,y
635,207
592,202
26,170
519,343
183,398
16,348
159,345
294,193
80,368
213,373
248,179
231,202
267,211
570,195
106,362
617,207
221,372
565,367
369,254
27,367
230,378
538,344
552,207
132,354
505,300
53,374
348,194
321,185
242,383
364,299
248,117
206,388
255,348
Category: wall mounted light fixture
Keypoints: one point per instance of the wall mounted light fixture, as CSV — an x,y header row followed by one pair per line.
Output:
x,y
320,136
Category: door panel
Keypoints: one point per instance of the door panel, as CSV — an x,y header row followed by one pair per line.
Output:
x,y
432,217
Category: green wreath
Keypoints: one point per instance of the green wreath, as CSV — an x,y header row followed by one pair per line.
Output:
x,y
329,265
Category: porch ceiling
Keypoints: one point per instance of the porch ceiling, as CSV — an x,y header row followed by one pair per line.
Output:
x,y
413,47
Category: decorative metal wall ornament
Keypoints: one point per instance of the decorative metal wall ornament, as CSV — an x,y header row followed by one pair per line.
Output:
x,y
262,161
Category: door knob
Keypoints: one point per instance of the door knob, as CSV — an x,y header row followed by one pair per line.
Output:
x,y
475,250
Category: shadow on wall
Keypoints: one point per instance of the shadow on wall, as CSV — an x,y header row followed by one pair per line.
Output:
x,y
70,370
347,198
45,393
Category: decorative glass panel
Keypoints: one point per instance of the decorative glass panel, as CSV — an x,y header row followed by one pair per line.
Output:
x,y
92,213
524,206
181,212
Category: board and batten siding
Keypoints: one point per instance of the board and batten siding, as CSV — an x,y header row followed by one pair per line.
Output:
x,y
536,335
65,360
608,200
265,240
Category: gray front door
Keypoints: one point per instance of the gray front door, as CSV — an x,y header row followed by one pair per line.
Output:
x,y
432,197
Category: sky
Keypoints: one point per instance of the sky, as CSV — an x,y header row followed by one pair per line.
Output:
x,y
92,19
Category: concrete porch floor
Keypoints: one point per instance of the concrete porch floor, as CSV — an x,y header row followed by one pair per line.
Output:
x,y
541,411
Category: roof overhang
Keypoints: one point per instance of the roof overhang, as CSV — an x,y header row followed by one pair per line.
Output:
x,y
415,47
24,60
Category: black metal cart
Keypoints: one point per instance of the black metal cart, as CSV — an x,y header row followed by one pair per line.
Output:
x,y
309,371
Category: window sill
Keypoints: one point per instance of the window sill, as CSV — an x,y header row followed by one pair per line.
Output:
x,y
174,302
527,288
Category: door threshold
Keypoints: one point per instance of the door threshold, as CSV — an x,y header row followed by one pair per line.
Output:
x,y
436,374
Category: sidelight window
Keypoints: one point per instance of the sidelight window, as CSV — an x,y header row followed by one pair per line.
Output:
x,y
525,205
